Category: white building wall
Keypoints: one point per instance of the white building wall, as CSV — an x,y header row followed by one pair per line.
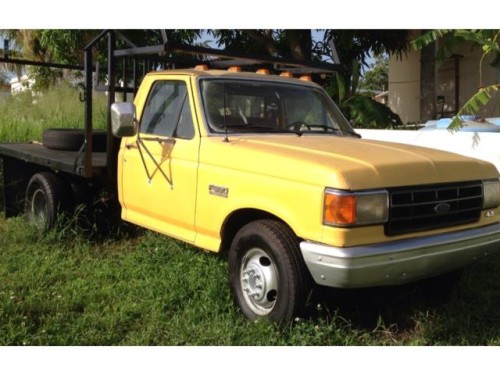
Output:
x,y
404,86
470,81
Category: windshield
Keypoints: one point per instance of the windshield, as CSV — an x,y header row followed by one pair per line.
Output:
x,y
239,106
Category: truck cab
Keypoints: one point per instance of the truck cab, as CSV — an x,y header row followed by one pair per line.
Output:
x,y
267,169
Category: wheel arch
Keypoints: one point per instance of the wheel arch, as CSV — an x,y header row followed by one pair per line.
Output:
x,y
239,218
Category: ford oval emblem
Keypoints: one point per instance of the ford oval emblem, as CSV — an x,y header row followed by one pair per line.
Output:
x,y
442,208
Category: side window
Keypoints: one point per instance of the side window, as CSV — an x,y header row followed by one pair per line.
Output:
x,y
167,112
185,128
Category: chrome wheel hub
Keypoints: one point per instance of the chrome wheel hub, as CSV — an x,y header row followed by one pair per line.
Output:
x,y
39,208
259,281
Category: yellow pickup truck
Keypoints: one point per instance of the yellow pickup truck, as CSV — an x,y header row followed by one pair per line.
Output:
x,y
264,168
267,169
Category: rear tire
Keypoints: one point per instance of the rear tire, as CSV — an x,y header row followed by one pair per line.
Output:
x,y
267,274
46,197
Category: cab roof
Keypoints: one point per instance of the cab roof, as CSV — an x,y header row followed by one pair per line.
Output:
x,y
231,74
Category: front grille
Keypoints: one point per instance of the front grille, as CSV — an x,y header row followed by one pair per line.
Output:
x,y
420,208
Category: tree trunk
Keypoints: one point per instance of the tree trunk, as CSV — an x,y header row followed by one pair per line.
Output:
x,y
299,43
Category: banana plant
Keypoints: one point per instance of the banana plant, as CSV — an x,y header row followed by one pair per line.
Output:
x,y
361,110
482,97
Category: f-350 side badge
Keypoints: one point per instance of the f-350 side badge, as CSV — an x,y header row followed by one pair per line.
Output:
x,y
220,191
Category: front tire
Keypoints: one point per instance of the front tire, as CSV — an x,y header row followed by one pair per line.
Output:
x,y
267,274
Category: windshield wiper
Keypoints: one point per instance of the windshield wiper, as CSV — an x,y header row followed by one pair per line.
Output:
x,y
327,129
351,132
233,128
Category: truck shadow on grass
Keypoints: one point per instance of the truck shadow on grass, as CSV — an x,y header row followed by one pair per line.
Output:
x,y
394,306
461,308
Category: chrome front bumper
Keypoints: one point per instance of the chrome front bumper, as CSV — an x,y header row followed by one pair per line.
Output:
x,y
398,262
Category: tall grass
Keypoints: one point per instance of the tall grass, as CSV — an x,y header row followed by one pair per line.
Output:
x,y
24,116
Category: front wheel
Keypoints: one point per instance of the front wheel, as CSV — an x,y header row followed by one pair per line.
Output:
x,y
267,274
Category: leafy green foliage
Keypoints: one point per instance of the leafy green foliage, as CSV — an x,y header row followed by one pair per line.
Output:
x,y
259,42
362,110
450,39
376,78
354,47
360,44
67,46
473,105
446,39
365,112
293,43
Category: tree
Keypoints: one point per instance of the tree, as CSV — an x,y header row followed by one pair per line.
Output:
x,y
66,46
377,77
353,48
28,46
488,41
297,44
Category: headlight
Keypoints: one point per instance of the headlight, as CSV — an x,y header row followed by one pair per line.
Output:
x,y
345,208
491,194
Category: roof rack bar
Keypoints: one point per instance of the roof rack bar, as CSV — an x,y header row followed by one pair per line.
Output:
x,y
167,48
96,39
125,39
158,49
41,63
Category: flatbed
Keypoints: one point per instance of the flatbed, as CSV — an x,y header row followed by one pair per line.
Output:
x,y
64,161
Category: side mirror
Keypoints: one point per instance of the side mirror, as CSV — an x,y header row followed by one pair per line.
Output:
x,y
123,122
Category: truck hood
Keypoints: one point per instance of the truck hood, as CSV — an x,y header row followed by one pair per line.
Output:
x,y
344,162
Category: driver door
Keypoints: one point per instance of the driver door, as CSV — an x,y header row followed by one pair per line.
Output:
x,y
160,164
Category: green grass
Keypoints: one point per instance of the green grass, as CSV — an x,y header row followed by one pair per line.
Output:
x,y
62,289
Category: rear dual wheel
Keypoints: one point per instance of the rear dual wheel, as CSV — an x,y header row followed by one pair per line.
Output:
x,y
46,197
267,274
